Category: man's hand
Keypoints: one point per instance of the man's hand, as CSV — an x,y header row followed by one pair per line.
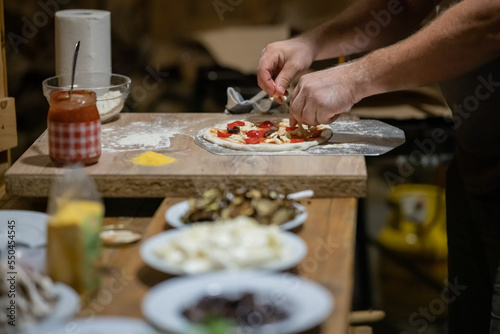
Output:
x,y
280,63
321,97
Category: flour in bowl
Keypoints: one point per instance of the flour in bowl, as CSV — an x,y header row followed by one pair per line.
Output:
x,y
109,104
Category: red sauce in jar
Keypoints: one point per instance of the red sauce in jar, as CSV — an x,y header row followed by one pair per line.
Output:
x,y
74,128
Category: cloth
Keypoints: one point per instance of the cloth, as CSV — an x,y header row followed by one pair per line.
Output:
x,y
473,229
474,99
256,104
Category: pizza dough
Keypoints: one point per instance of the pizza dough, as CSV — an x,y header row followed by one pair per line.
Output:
x,y
236,142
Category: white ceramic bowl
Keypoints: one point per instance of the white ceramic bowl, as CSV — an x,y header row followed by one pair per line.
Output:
x,y
111,90
307,303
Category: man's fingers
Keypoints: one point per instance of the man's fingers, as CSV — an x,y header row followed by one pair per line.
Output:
x,y
285,77
296,106
268,64
280,98
309,115
293,121
334,118
325,119
265,81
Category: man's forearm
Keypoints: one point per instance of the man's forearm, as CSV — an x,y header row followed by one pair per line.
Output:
x,y
463,38
367,25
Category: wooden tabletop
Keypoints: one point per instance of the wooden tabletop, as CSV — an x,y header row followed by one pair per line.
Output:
x,y
195,168
329,233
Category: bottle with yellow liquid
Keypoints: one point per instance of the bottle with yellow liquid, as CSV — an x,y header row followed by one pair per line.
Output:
x,y
73,243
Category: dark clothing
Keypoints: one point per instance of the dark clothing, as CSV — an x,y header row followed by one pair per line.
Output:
x,y
474,99
473,224
473,200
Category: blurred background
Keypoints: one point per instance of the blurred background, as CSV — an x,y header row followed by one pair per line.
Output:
x,y
162,46
148,37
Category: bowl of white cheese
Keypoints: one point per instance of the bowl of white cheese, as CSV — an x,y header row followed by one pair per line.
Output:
x,y
111,90
237,244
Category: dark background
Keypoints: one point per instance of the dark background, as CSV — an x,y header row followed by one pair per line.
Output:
x,y
157,36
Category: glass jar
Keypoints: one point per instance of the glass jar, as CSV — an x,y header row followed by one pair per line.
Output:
x,y
74,128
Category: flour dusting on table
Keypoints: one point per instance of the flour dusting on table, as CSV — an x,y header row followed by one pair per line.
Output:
x,y
139,136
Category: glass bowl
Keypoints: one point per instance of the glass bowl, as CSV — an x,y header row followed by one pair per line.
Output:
x,y
111,90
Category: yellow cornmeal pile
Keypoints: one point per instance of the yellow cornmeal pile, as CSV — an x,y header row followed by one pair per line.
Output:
x,y
152,159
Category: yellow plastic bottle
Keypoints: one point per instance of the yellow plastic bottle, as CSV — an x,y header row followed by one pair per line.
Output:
x,y
74,246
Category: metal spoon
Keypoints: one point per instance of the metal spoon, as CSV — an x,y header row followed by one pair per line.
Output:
x,y
75,57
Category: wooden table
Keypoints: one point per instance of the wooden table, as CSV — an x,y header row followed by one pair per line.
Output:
x,y
195,168
329,233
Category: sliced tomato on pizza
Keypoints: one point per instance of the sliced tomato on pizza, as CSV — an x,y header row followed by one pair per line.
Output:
x,y
267,135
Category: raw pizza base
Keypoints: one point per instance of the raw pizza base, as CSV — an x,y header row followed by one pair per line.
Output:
x,y
264,147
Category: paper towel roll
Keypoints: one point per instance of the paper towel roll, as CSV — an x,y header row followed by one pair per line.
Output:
x,y
93,29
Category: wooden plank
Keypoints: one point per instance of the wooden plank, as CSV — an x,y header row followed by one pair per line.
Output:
x,y
8,202
195,168
3,62
329,233
8,127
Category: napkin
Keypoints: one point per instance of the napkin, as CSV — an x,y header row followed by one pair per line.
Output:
x,y
258,102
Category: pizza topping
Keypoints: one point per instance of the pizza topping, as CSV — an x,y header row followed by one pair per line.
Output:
x,y
252,140
275,140
317,134
299,132
235,123
267,132
234,130
256,133
266,124
223,135
271,130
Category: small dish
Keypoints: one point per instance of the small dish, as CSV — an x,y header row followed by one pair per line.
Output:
x,y
296,247
175,213
119,235
30,237
307,303
67,305
30,227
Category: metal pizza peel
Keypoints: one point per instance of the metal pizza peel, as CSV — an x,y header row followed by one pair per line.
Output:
x,y
361,137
